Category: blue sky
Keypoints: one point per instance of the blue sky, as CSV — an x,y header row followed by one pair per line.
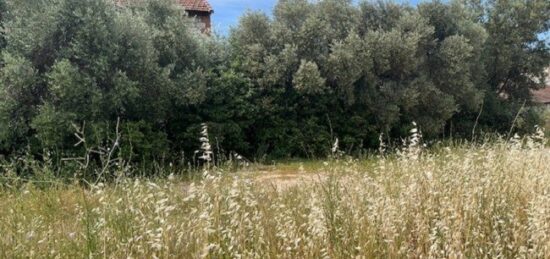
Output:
x,y
227,12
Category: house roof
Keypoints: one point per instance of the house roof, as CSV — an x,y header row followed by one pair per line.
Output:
x,y
196,5
542,95
188,5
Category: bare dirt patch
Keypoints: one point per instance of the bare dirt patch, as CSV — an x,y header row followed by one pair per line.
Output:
x,y
284,181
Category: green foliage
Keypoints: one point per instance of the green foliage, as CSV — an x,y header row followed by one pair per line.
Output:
x,y
89,63
308,80
19,86
279,86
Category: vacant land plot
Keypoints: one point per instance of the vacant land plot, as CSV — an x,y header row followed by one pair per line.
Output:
x,y
470,202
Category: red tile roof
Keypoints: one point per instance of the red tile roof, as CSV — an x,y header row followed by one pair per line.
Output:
x,y
196,5
542,96
188,5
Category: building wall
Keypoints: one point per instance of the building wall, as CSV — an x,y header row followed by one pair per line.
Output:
x,y
204,19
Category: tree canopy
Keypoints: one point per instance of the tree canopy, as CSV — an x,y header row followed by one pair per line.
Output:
x,y
284,85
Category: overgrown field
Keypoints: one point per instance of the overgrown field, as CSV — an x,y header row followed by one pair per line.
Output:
x,y
465,202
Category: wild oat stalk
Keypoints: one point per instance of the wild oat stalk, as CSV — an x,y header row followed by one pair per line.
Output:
x,y
487,201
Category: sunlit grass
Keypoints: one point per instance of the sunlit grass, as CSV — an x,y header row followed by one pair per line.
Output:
x,y
464,202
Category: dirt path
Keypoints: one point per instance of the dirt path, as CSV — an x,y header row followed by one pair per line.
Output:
x,y
284,180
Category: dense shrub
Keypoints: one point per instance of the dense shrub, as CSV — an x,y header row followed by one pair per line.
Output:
x,y
280,86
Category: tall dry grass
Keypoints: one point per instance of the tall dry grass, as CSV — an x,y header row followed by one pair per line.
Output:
x,y
488,201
